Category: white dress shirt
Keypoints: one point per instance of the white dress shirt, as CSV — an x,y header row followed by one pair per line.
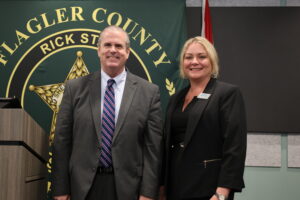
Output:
x,y
118,86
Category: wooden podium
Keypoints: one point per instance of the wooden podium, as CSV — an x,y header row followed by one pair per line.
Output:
x,y
23,156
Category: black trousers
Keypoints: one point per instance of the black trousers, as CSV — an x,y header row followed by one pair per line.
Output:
x,y
103,187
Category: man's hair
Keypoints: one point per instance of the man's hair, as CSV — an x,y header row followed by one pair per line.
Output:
x,y
115,28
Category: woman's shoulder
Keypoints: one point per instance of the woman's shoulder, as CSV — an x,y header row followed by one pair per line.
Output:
x,y
178,95
180,92
226,90
225,86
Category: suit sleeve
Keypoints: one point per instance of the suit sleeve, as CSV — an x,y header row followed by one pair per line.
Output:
x,y
152,149
234,133
62,146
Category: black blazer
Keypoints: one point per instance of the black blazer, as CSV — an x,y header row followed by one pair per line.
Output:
x,y
214,148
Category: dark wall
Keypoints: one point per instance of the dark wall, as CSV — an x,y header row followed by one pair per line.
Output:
x,y
259,50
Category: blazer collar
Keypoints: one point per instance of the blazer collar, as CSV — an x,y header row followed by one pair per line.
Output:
x,y
95,101
197,111
173,102
128,94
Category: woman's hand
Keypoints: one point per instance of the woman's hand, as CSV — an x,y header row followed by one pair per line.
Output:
x,y
221,190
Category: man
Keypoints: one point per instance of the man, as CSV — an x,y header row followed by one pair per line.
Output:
x,y
108,134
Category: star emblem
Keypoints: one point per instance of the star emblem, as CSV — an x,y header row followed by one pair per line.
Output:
x,y
52,94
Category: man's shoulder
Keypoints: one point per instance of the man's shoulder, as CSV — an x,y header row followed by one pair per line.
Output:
x,y
82,80
142,82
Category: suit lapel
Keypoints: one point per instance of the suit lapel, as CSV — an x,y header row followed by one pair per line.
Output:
x,y
171,107
170,110
128,94
197,111
95,101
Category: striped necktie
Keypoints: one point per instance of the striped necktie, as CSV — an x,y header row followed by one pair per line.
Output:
x,y
108,124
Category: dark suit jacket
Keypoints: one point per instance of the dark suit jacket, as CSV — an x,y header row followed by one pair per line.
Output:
x,y
216,134
136,147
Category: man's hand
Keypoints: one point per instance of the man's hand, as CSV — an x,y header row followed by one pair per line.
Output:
x,y
162,193
144,198
214,197
63,197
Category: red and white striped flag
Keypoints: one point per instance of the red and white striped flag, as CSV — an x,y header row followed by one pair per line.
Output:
x,y
206,21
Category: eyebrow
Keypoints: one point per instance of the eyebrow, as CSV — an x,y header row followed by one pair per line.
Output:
x,y
201,53
111,43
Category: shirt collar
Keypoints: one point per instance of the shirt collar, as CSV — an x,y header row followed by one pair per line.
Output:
x,y
118,79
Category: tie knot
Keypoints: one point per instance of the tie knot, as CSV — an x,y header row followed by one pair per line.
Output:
x,y
110,82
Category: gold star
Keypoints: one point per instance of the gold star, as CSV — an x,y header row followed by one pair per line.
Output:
x,y
52,94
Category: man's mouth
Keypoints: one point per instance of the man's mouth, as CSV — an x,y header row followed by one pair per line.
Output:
x,y
113,57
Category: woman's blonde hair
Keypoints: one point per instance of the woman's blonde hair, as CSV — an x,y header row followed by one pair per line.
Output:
x,y
210,49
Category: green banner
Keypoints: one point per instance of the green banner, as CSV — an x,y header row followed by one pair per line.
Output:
x,y
45,43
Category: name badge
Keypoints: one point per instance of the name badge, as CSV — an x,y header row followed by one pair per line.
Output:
x,y
203,96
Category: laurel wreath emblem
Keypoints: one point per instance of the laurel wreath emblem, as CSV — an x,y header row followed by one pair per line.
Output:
x,y
170,87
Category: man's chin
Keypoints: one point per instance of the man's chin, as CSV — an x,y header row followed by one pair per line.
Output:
x,y
113,67
113,64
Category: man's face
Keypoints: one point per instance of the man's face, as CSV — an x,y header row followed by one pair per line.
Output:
x,y
113,52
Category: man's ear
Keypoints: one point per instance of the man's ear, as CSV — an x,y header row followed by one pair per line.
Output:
x,y
98,51
128,52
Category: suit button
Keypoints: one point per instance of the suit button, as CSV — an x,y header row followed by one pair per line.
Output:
x,y
94,169
181,145
172,146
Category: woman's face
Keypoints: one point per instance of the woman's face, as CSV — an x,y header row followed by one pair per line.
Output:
x,y
196,63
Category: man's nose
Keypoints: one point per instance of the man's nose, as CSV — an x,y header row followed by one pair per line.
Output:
x,y
113,48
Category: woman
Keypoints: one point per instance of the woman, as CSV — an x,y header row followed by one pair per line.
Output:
x,y
205,131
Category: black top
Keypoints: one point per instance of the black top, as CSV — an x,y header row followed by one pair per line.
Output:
x,y
179,120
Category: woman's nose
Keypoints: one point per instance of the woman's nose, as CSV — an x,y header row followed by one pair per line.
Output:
x,y
195,60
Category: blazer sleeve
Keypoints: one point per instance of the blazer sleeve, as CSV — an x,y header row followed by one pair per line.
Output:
x,y
165,142
62,146
152,149
234,133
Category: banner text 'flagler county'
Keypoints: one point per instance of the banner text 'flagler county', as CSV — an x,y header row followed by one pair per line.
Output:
x,y
99,15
